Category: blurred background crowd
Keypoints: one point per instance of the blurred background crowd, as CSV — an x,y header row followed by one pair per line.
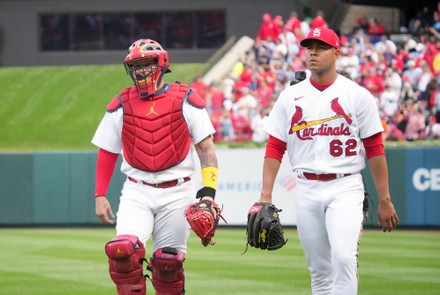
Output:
x,y
403,75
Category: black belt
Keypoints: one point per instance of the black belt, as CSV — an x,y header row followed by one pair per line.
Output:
x,y
323,177
167,184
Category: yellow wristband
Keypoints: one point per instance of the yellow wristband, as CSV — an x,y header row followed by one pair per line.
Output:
x,y
209,177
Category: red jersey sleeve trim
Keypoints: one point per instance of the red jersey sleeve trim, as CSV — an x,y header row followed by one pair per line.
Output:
x,y
374,145
275,148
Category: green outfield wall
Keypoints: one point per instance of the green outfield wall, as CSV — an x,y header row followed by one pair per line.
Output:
x,y
57,188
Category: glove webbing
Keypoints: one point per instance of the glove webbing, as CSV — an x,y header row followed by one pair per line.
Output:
x,y
209,206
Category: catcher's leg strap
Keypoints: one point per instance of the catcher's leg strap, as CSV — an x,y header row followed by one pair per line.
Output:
x,y
168,276
126,255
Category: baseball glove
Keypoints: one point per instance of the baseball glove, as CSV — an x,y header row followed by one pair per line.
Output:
x,y
264,230
203,218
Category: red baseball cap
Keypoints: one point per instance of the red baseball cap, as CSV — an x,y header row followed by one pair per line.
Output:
x,y
323,34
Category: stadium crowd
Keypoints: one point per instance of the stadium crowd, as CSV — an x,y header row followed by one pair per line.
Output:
x,y
403,75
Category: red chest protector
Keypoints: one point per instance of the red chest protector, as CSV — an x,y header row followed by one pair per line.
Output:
x,y
155,135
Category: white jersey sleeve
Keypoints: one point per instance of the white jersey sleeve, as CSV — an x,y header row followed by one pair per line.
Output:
x,y
108,133
368,114
199,123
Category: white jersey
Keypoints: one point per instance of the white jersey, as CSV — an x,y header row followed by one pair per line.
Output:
x,y
326,127
108,137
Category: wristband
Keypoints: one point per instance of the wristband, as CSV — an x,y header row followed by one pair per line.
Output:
x,y
206,191
209,177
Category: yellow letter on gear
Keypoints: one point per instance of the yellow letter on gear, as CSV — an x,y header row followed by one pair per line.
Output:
x,y
209,177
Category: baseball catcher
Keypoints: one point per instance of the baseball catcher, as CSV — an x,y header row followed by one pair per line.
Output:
x,y
264,230
154,124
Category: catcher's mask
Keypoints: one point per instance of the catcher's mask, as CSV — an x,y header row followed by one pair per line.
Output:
x,y
146,63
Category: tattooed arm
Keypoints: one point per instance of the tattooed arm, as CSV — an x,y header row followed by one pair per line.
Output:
x,y
206,152
208,163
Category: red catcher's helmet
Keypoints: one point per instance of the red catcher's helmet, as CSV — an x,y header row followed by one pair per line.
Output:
x,y
146,63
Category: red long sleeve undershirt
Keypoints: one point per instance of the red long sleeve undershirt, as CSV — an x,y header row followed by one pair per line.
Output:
x,y
276,148
105,165
374,145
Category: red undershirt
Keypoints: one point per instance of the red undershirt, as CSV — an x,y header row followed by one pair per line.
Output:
x,y
105,165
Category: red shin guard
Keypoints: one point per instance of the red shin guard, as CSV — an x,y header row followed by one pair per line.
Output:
x,y
126,255
167,268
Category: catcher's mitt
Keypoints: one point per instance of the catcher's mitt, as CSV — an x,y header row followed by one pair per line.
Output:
x,y
264,229
203,218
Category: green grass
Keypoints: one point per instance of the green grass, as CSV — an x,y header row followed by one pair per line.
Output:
x,y
59,108
72,261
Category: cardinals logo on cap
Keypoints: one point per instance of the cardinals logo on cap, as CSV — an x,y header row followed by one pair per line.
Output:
x,y
317,32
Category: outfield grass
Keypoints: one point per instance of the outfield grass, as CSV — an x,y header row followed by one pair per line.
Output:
x,y
72,261
59,108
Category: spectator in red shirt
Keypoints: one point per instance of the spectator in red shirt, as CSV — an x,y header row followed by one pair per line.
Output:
x,y
361,24
279,22
264,93
375,29
415,128
200,87
265,73
246,77
432,54
216,97
293,24
373,82
318,20
267,28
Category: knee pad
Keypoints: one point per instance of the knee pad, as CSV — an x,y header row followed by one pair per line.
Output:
x,y
168,276
126,255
